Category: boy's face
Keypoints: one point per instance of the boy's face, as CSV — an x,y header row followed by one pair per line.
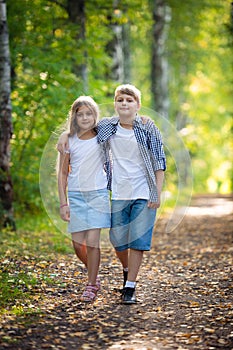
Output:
x,y
126,106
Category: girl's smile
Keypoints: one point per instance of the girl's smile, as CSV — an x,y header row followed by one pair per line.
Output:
x,y
85,119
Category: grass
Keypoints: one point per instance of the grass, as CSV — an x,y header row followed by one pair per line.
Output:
x,y
36,240
35,235
14,286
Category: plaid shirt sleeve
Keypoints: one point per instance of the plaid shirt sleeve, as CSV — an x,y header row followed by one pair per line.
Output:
x,y
155,146
104,131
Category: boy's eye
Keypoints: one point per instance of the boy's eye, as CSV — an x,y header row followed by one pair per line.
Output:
x,y
127,100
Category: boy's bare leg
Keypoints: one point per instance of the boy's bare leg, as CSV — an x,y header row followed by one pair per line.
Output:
x,y
132,260
123,257
135,260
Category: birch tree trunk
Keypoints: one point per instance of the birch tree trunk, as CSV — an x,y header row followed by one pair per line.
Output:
x,y
118,48
126,52
159,64
6,187
115,51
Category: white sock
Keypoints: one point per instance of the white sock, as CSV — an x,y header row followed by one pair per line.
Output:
x,y
130,284
125,269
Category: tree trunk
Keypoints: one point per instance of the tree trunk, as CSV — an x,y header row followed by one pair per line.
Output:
x,y
6,187
159,65
115,51
126,52
76,13
118,48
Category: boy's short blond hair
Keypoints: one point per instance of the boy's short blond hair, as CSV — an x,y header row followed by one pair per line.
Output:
x,y
130,90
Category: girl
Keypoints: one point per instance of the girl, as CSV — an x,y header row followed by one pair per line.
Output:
x,y
87,208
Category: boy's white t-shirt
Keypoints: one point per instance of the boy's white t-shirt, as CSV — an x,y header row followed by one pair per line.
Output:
x,y
86,165
129,180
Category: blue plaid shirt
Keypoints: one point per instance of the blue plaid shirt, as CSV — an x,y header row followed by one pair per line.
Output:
x,y
150,145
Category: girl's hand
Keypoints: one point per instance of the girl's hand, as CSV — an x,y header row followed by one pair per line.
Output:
x,y
65,213
145,119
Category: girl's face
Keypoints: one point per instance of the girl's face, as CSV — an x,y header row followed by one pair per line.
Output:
x,y
85,118
126,106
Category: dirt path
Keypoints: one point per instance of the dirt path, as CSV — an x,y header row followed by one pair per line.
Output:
x,y
184,291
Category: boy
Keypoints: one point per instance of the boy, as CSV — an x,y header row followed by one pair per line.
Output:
x,y
138,165
135,178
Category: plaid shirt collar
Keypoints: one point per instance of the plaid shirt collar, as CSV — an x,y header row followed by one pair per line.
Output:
x,y
137,120
109,127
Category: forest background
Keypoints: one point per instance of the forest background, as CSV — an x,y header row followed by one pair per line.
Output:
x,y
178,53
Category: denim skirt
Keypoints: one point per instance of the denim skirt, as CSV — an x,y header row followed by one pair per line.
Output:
x,y
89,210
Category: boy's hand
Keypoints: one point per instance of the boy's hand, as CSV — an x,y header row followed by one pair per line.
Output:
x,y
62,144
65,213
153,205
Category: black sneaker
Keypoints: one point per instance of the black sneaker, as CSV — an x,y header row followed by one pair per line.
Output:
x,y
125,275
128,295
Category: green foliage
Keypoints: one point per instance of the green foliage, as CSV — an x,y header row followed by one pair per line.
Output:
x,y
200,89
45,54
23,254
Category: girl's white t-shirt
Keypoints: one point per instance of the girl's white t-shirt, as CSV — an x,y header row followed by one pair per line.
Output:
x,y
129,180
86,165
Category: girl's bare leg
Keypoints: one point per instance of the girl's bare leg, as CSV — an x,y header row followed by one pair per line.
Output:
x,y
79,244
93,254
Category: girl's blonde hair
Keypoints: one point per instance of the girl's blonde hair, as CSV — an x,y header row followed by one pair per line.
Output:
x,y
79,102
130,90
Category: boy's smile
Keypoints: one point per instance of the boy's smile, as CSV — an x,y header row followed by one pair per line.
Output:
x,y
126,106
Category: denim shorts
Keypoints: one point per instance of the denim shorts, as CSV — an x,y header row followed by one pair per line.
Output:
x,y
132,224
89,210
